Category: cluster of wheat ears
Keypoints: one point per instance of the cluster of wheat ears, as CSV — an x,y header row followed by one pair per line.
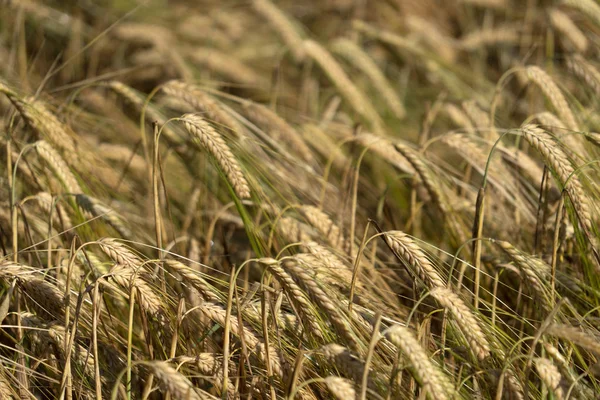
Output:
x,y
322,199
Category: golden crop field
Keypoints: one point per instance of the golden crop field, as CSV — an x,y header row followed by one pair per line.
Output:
x,y
318,199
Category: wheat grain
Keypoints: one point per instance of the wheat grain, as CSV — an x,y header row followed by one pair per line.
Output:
x,y
207,138
193,278
489,37
223,64
585,339
586,71
385,148
298,270
551,376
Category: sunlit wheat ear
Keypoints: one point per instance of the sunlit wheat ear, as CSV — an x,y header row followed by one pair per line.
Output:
x,y
210,365
503,35
459,117
550,376
558,161
585,71
553,93
60,167
96,208
277,128
224,64
565,26
411,254
174,383
534,270
361,60
150,301
296,296
430,377
341,273
480,118
550,121
253,340
119,253
299,271
191,277
282,25
587,7
47,125
385,148
342,389
206,137
588,340
343,359
321,221
465,319
342,82
46,299
202,101
424,173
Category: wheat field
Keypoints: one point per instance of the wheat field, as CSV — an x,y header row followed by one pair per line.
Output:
x,y
324,199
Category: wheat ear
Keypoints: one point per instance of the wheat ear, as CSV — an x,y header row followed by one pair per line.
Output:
x,y
411,254
431,378
206,137
355,98
466,320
